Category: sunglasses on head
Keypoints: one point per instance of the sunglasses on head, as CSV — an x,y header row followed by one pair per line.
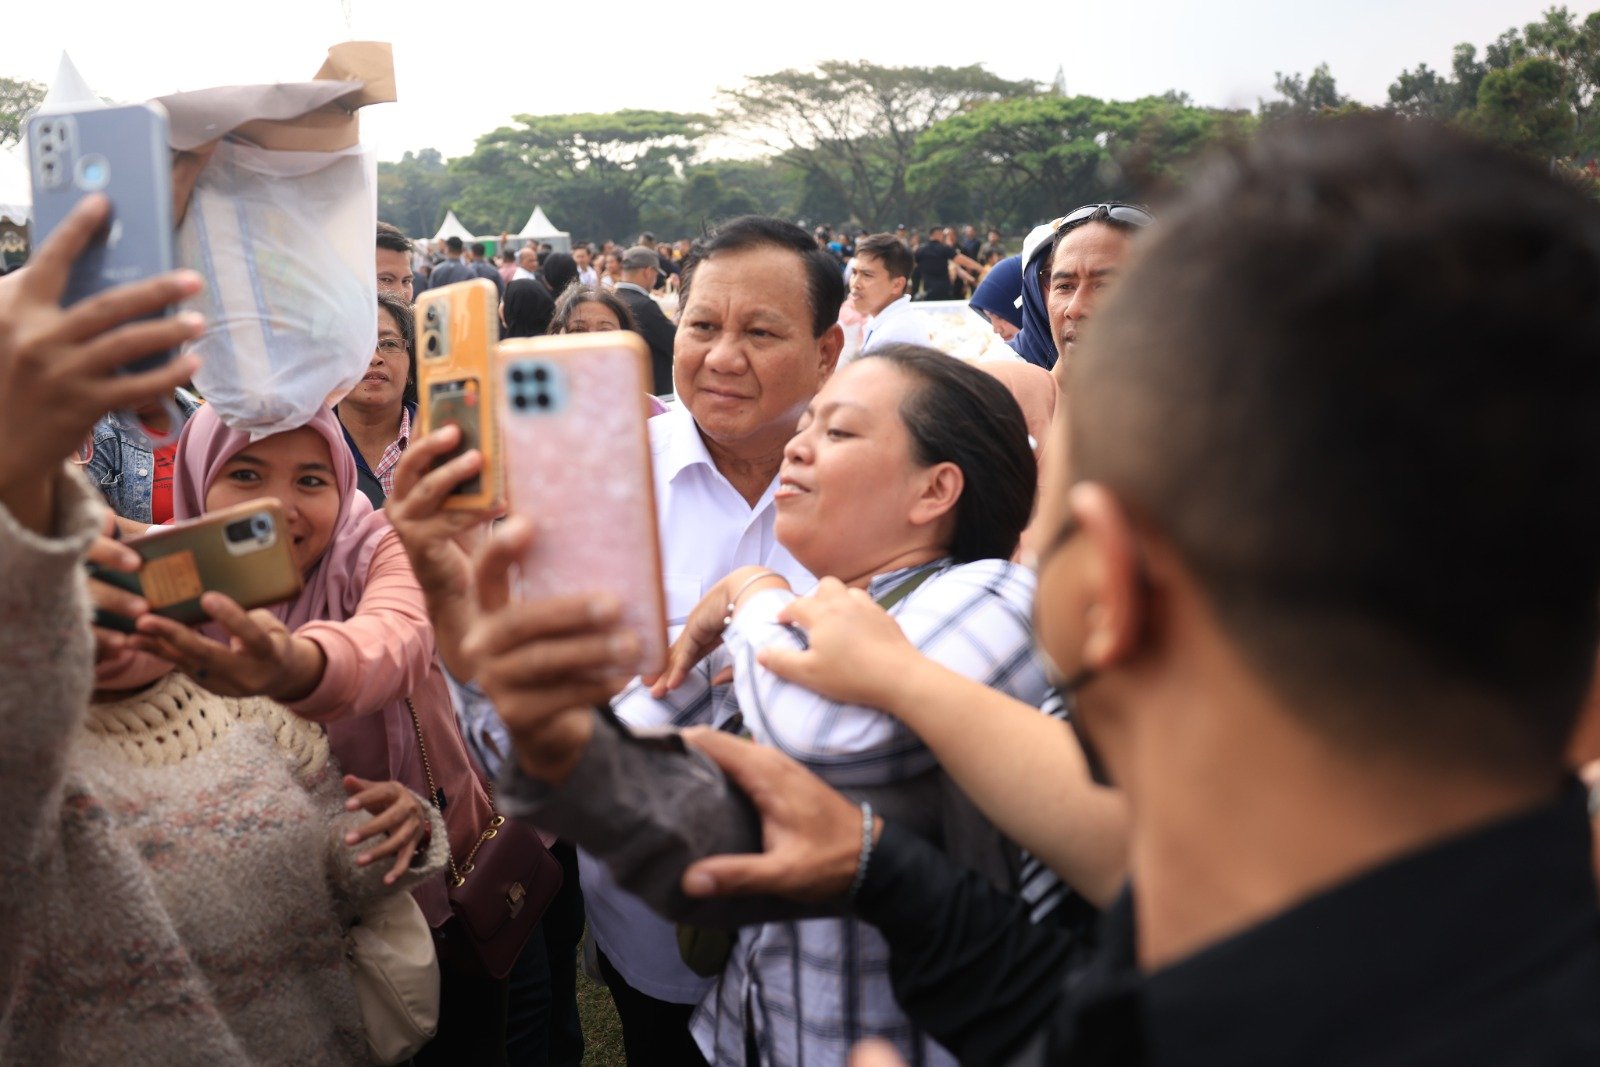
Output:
x,y
1127,214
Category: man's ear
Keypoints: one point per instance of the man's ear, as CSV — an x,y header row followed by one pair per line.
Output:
x,y
900,287
1116,621
829,347
942,486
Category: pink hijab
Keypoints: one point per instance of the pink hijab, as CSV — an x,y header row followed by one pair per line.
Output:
x,y
333,588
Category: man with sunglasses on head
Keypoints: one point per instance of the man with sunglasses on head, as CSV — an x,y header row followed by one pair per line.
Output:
x,y
1066,265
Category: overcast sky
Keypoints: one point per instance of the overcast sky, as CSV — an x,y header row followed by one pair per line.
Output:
x,y
465,67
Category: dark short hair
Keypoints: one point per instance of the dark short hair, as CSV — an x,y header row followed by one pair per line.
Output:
x,y
390,238
1352,380
577,295
824,282
453,243
478,249
889,250
405,318
955,413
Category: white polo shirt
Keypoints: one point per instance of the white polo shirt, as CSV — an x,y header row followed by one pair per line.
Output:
x,y
707,531
899,323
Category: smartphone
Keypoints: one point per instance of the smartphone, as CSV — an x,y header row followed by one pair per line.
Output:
x,y
242,551
573,410
457,327
122,152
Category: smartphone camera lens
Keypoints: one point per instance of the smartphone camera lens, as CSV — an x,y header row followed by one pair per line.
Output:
x,y
261,525
542,401
520,402
540,374
433,315
517,375
433,344
237,532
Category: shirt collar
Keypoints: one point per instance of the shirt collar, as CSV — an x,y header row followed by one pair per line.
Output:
x,y
679,445
635,288
1464,923
892,308
882,585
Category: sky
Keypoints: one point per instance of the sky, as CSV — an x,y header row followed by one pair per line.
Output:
x,y
463,68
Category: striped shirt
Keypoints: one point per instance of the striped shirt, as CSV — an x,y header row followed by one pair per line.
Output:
x,y
810,990
384,471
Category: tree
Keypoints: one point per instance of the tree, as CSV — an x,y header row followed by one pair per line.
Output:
x,y
594,171
1020,161
1304,97
17,99
1524,106
851,128
415,193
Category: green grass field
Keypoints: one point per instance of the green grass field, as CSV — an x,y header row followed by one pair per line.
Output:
x,y
602,1030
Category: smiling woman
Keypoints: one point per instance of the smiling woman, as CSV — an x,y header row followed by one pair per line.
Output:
x,y
377,413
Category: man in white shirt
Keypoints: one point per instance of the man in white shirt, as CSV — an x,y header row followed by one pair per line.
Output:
x,y
527,263
586,272
878,289
757,336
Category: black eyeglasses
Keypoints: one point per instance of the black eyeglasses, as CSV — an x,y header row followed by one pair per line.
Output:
x,y
1127,214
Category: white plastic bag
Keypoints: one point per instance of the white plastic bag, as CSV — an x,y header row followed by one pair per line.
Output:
x,y
284,240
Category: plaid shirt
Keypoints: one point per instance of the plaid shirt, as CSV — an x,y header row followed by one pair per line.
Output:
x,y
812,989
384,471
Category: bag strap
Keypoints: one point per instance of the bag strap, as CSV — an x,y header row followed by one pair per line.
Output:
x,y
458,875
905,589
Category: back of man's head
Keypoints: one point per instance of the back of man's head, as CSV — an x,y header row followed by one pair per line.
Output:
x,y
639,259
478,249
888,250
823,279
1352,380
453,245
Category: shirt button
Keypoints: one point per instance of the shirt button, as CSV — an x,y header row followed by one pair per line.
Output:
x,y
143,471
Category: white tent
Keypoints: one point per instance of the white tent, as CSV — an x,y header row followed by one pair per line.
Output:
x,y
540,228
451,227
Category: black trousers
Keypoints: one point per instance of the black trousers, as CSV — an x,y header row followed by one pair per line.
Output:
x,y
472,1011
654,1032
542,1025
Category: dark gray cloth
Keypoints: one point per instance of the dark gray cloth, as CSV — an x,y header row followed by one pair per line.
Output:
x,y
656,329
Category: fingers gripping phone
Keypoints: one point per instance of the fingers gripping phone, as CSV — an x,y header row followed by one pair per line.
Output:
x,y
457,327
242,551
573,410
121,152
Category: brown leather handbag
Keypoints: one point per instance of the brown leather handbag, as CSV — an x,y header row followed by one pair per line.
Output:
x,y
499,891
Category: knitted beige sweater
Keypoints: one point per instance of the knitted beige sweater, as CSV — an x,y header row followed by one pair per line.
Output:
x,y
174,878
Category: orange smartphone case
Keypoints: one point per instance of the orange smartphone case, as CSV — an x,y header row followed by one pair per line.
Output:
x,y
573,410
457,328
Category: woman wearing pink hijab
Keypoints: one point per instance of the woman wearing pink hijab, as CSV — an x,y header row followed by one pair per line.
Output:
x,y
351,651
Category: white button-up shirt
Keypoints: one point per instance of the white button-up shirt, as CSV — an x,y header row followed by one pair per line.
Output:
x,y
708,530
899,323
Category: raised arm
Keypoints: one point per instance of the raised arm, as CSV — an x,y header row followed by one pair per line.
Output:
x,y
1023,769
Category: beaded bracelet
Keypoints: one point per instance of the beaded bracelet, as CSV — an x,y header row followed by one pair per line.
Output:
x,y
865,857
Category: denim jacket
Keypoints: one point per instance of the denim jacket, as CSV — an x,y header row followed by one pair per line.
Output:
x,y
122,466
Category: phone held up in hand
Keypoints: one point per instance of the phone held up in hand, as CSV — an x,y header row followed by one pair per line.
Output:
x,y
457,327
121,152
242,551
573,414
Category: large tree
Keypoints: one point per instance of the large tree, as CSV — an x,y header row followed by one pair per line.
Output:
x,y
851,128
415,193
1018,162
1301,97
592,172
17,99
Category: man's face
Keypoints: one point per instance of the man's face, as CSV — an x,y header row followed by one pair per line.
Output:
x,y
580,256
1085,260
745,363
872,288
394,273
528,260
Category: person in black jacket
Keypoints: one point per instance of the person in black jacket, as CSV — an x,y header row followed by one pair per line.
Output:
x,y
640,267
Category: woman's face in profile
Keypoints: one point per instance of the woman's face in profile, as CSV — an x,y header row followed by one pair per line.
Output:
x,y
592,316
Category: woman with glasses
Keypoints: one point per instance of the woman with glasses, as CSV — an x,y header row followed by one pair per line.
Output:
x,y
377,414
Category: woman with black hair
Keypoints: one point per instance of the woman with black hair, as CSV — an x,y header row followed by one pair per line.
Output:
x,y
377,414
910,478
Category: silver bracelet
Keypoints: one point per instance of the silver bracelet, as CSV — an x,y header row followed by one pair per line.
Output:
x,y
727,619
865,858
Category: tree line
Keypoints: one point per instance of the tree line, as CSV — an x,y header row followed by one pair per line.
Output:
x,y
870,145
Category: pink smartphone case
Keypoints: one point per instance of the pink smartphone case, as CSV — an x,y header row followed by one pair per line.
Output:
x,y
581,473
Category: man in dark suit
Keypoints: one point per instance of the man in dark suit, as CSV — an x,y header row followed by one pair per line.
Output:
x,y
452,269
639,268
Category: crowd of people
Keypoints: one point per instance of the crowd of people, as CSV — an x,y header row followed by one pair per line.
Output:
x,y
1213,682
